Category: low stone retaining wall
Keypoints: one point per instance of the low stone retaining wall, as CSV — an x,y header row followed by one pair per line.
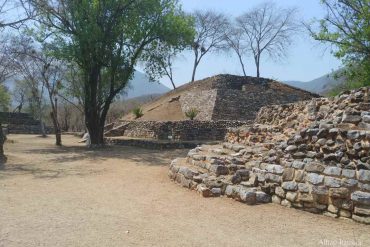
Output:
x,y
154,144
176,130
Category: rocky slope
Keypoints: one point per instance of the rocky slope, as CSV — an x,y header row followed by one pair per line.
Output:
x,y
311,155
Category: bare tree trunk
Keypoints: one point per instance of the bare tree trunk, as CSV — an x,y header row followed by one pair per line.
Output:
x,y
58,134
173,83
195,67
242,64
2,141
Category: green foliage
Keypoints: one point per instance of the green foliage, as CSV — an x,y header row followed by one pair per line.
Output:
x,y
107,39
4,99
138,112
347,28
192,113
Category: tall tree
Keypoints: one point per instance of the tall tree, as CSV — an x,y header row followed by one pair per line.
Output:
x,y
268,29
346,26
210,35
107,38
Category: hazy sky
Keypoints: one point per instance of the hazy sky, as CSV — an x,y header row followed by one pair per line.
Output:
x,y
306,59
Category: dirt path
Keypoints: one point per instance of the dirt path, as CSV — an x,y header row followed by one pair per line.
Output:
x,y
122,197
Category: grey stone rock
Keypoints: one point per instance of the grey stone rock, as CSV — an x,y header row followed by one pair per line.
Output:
x,y
364,175
286,203
262,197
348,173
365,211
248,196
276,199
298,164
332,170
276,169
298,155
349,182
187,172
299,177
314,167
349,118
314,178
332,182
365,187
280,192
216,191
361,197
291,196
302,187
236,179
219,170
353,134
292,186
361,219
203,190
291,148
320,190
272,178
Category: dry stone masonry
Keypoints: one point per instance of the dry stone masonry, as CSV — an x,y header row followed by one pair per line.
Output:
x,y
312,155
21,123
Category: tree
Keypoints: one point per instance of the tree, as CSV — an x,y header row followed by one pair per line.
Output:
x,y
235,40
6,22
107,38
210,35
346,26
269,29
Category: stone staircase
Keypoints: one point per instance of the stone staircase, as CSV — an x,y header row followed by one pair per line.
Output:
x,y
313,156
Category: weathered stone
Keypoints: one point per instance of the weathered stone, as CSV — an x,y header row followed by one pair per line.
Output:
x,y
291,148
332,170
289,186
345,213
262,197
314,167
339,192
320,190
314,178
291,196
365,187
353,134
219,170
348,173
272,178
280,192
332,182
365,211
302,187
187,172
298,155
333,209
349,183
361,219
288,174
298,164
348,118
236,179
330,214
230,190
305,197
361,197
276,199
286,203
276,169
364,175
203,190
248,196
216,191
299,177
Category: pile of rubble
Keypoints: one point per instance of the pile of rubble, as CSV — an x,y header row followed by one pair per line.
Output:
x,y
312,155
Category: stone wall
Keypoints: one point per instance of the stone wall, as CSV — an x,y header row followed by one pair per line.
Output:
x,y
179,130
313,156
203,101
21,123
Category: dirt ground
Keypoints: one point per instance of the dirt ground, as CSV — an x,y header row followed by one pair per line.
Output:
x,y
121,196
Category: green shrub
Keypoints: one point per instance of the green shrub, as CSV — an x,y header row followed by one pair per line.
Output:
x,y
138,112
191,113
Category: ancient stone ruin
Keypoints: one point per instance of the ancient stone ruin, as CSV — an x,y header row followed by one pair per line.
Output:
x,y
21,123
222,101
312,155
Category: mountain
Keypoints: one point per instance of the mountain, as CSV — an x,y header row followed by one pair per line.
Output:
x,y
141,85
321,85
